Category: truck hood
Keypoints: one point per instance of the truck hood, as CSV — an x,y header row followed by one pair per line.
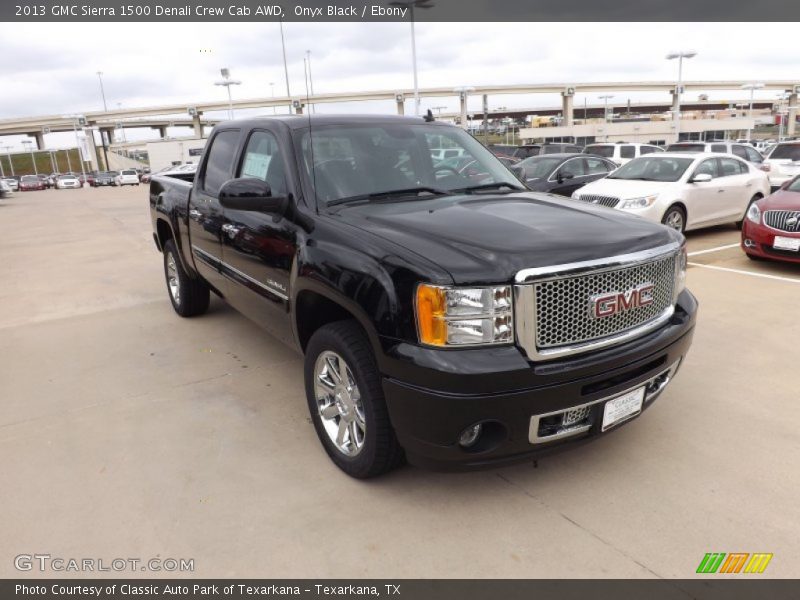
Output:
x,y
489,238
624,188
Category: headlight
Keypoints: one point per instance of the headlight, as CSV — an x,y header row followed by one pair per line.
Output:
x,y
576,195
754,214
680,271
449,316
635,203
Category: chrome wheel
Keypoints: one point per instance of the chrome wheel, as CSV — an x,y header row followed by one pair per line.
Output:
x,y
339,403
674,220
172,279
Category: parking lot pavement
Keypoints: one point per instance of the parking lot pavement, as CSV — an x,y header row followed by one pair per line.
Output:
x,y
129,432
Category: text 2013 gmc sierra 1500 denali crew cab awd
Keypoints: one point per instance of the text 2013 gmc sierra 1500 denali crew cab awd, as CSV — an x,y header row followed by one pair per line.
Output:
x,y
446,315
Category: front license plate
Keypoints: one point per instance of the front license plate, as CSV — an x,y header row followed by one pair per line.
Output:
x,y
622,408
786,243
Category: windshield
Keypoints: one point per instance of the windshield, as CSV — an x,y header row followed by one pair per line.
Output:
x,y
129,172
355,161
790,151
539,167
605,151
30,178
653,168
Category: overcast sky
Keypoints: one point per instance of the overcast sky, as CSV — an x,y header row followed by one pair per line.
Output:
x,y
51,68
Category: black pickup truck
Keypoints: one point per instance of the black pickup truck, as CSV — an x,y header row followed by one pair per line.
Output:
x,y
447,315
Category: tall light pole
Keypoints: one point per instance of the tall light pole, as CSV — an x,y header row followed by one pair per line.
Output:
x,y
227,82
680,55
102,91
285,67
29,145
310,79
77,120
752,87
411,5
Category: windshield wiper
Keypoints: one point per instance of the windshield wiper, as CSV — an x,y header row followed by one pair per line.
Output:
x,y
415,191
490,186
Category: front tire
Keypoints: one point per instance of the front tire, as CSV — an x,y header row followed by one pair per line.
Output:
x,y
675,218
189,297
346,401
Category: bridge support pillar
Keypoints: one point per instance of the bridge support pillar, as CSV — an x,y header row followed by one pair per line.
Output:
x,y
108,132
567,108
162,131
197,125
298,108
462,98
791,117
38,136
400,101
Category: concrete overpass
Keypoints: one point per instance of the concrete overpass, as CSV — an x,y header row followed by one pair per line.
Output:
x,y
107,120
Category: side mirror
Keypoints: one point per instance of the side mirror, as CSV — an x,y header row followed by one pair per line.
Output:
x,y
251,194
701,178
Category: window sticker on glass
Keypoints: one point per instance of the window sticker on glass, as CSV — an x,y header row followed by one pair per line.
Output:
x,y
256,165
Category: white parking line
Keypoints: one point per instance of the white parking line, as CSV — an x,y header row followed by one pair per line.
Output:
x,y
717,249
741,272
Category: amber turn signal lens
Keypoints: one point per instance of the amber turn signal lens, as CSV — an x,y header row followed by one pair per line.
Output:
x,y
430,315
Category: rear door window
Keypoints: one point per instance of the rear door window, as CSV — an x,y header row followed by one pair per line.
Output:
x,y
721,148
753,155
739,150
627,151
596,166
730,166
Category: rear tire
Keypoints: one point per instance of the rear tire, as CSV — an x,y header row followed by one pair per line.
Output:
x,y
346,402
675,218
189,297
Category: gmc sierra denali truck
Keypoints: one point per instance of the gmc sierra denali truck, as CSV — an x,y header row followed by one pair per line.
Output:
x,y
446,314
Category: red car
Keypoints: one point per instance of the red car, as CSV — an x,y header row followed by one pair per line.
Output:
x,y
771,228
31,182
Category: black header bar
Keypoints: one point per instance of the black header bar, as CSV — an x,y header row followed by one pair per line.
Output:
x,y
227,11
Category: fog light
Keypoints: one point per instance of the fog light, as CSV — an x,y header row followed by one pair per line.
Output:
x,y
470,435
748,243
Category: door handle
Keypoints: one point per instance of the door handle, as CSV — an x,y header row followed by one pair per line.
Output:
x,y
749,184
720,191
231,230
195,214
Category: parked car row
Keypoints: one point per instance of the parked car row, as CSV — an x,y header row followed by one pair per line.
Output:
x,y
689,186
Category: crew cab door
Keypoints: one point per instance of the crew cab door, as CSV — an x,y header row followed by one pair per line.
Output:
x,y
205,211
259,248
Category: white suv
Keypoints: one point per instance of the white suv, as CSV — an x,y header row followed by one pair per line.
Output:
x,y
681,190
743,151
782,163
128,177
621,152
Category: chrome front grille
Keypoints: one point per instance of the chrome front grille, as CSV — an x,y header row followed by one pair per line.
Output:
x,y
609,201
562,310
784,220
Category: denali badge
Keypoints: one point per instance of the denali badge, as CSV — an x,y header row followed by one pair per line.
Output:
x,y
608,305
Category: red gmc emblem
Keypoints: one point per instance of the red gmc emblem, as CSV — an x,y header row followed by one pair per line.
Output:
x,y
613,303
